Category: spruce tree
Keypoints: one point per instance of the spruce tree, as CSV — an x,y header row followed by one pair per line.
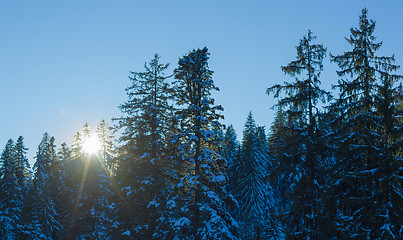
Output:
x,y
66,191
251,188
45,218
231,152
388,215
107,153
299,105
143,162
92,188
360,161
203,200
24,176
11,193
24,172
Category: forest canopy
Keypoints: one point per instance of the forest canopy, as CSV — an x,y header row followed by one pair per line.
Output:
x,y
330,166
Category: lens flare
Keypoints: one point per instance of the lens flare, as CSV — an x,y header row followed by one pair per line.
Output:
x,y
92,144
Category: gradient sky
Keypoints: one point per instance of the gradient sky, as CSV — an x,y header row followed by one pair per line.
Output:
x,y
64,63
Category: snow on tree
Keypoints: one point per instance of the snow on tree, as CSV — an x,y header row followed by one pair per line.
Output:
x,y
298,105
388,217
24,172
142,173
202,198
11,193
45,222
360,124
250,186
231,152
24,176
91,187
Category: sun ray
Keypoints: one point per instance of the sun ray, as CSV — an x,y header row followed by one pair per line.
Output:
x,y
80,190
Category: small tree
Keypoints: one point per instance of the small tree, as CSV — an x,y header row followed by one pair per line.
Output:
x,y
11,193
251,187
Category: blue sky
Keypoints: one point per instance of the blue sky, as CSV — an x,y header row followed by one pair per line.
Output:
x,y
66,63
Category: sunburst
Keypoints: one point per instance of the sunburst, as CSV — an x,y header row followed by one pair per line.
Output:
x,y
92,145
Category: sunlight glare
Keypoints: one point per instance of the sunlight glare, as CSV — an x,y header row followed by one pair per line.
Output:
x,y
92,144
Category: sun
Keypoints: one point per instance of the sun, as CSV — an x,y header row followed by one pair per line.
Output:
x,y
92,144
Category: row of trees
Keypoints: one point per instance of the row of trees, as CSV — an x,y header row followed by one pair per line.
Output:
x,y
321,173
343,166
68,195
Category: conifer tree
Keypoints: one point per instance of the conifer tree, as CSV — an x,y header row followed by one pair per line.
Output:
x,y
91,184
66,192
388,215
107,148
73,161
45,218
24,176
203,199
299,105
11,193
231,152
359,160
250,187
143,162
24,172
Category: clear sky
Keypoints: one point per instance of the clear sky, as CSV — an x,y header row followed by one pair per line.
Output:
x,y
64,63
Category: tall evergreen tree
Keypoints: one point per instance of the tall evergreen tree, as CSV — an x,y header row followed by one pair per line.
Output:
x,y
45,218
360,162
388,197
203,198
299,105
143,163
24,176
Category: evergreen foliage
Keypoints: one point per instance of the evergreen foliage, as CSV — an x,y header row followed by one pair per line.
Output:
x,y
202,195
45,219
363,107
143,163
251,189
323,172
303,157
11,193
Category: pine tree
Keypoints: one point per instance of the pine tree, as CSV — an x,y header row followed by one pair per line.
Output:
x,y
250,185
24,176
359,158
202,197
231,152
281,175
74,164
91,189
45,218
23,173
388,216
11,193
299,105
107,149
143,163
66,192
